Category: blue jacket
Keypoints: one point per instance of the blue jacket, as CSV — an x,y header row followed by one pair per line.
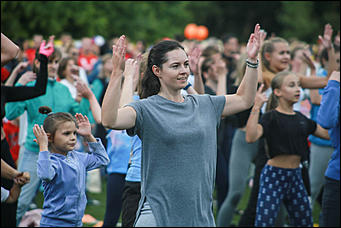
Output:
x,y
329,117
63,179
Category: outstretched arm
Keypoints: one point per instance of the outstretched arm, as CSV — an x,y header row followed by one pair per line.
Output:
x,y
246,92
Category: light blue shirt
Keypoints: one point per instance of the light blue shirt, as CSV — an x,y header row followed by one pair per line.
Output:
x,y
63,180
118,147
134,170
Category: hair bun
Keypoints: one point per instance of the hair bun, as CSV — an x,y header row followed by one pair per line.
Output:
x,y
45,110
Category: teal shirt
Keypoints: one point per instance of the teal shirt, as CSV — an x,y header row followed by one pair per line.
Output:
x,y
57,97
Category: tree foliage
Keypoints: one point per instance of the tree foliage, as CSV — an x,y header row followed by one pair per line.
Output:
x,y
154,20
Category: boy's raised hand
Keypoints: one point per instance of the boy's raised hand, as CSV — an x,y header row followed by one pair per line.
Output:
x,y
84,127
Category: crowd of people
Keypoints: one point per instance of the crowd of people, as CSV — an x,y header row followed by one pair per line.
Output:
x,y
170,124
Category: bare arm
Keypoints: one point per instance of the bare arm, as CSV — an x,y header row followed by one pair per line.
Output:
x,y
9,50
7,171
321,132
130,71
246,92
253,129
87,93
315,97
112,116
195,65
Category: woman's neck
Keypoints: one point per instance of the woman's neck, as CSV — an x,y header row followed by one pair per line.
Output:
x,y
70,79
173,95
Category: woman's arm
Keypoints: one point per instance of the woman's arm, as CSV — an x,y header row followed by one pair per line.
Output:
x,y
19,68
195,65
87,93
21,93
246,92
114,117
253,129
9,50
321,132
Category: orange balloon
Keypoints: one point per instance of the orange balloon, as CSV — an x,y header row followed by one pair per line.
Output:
x,y
202,32
190,31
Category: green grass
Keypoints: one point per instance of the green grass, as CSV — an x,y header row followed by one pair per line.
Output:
x,y
99,211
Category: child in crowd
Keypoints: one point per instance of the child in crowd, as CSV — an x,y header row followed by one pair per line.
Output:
x,y
285,132
63,170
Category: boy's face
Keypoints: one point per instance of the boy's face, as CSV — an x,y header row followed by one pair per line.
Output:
x,y
52,67
65,138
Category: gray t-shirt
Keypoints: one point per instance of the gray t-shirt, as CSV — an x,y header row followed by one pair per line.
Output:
x,y
179,153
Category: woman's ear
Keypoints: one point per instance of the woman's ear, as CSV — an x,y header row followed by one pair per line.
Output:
x,y
277,92
156,70
267,56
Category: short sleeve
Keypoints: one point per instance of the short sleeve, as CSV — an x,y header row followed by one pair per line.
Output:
x,y
136,105
219,104
265,121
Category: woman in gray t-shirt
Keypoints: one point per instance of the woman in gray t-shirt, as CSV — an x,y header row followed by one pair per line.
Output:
x,y
178,133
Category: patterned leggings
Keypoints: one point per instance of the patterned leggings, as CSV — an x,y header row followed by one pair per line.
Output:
x,y
279,184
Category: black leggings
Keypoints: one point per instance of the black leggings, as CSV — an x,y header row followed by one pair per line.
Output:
x,y
131,197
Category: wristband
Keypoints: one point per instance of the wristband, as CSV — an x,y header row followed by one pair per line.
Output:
x,y
252,65
187,86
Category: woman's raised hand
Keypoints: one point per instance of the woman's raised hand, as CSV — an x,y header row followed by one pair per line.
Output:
x,y
261,97
194,56
48,49
253,44
118,55
326,40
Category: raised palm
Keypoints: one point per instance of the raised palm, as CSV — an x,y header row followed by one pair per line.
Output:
x,y
326,40
253,44
84,127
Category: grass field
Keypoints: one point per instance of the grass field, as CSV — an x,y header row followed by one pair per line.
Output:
x,y
99,211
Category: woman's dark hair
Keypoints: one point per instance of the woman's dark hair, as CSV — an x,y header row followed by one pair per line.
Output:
x,y
53,120
62,66
56,54
157,56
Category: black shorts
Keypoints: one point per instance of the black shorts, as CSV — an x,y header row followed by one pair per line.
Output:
x,y
130,202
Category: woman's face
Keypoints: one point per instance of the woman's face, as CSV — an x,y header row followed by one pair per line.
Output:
x,y
174,73
290,89
68,72
279,59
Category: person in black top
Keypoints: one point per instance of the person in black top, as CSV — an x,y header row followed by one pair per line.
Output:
x,y
285,132
20,93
